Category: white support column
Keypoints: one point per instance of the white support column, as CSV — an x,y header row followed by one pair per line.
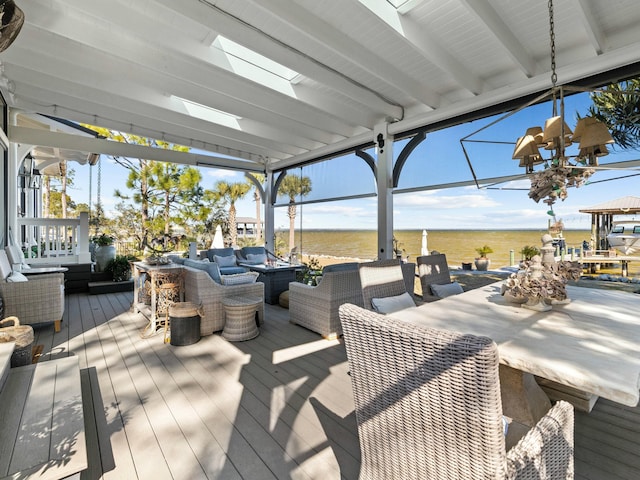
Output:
x,y
384,181
84,255
269,220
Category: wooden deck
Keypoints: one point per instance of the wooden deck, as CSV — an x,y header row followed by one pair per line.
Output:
x,y
278,406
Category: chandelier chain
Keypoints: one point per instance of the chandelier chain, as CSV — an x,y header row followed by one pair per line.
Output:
x,y
552,36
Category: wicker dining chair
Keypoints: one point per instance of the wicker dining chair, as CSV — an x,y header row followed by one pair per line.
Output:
x,y
428,406
433,270
385,278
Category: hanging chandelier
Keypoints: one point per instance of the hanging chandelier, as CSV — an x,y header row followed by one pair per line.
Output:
x,y
548,146
561,170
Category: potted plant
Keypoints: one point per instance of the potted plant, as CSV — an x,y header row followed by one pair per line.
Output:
x,y
104,251
529,251
482,262
119,268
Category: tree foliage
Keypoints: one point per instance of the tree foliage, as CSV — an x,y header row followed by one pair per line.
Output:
x,y
232,192
294,186
618,106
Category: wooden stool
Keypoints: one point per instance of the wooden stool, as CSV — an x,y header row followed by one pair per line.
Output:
x,y
240,318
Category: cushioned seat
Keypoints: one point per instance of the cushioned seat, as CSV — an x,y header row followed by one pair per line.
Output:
x,y
38,299
316,307
225,258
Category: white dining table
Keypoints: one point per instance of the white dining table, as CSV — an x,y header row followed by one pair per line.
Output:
x,y
591,344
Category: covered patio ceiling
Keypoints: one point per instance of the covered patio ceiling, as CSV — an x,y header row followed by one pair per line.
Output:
x,y
281,82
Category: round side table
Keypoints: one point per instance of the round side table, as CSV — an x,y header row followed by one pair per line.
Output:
x,y
240,318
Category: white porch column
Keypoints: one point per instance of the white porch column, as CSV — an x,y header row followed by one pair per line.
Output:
x,y
269,220
384,182
84,256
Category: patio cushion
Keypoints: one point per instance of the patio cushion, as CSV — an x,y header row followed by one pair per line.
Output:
x,y
392,304
443,291
5,266
210,267
256,258
239,278
225,261
222,252
17,277
15,255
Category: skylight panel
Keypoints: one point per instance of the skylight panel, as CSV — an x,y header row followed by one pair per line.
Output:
x,y
209,114
236,50
404,6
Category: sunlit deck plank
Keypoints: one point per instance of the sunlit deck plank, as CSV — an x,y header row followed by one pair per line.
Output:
x,y
278,406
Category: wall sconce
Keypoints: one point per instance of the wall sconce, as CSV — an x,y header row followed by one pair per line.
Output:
x,y
35,179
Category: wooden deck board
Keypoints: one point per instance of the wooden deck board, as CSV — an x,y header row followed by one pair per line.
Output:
x,y
277,406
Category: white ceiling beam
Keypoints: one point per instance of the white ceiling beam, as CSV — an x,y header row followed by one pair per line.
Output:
x,y
327,36
247,36
160,61
494,24
420,40
137,87
591,27
80,107
32,136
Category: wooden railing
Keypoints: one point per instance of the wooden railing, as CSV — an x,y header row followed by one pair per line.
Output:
x,y
54,240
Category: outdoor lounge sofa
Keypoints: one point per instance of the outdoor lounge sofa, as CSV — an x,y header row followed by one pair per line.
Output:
x,y
201,289
428,405
225,258
39,299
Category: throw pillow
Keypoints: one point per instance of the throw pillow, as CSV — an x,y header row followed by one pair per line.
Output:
x,y
17,277
228,261
446,290
257,258
239,278
392,304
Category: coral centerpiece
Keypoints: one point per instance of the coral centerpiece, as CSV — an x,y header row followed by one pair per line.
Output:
x,y
540,282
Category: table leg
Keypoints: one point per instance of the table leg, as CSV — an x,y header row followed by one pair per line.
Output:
x,y
522,398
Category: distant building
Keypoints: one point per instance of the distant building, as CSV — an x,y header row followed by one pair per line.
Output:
x,y
248,226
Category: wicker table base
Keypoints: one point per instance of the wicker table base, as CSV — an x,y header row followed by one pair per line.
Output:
x,y
240,318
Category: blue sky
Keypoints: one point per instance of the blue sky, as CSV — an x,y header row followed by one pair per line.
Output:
x,y
439,159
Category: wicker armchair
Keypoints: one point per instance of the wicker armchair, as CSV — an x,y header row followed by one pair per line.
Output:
x,y
38,300
433,270
428,405
201,289
385,278
316,308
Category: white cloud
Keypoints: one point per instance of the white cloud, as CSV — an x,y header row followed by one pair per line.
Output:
x,y
220,174
435,200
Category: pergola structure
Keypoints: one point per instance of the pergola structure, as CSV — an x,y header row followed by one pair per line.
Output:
x,y
266,86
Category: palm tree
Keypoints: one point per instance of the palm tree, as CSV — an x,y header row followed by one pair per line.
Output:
x,y
618,106
294,186
232,192
256,197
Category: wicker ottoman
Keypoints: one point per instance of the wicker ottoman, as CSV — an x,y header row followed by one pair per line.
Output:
x,y
22,335
240,318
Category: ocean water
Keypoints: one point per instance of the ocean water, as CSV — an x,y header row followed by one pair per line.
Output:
x,y
458,245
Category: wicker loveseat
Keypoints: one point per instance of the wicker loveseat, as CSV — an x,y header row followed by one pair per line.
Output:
x,y
428,405
38,300
316,308
201,289
226,268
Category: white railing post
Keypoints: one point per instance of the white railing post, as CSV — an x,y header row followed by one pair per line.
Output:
x,y
84,255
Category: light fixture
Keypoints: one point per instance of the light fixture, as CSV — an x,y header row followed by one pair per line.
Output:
x,y
561,170
548,145
35,179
